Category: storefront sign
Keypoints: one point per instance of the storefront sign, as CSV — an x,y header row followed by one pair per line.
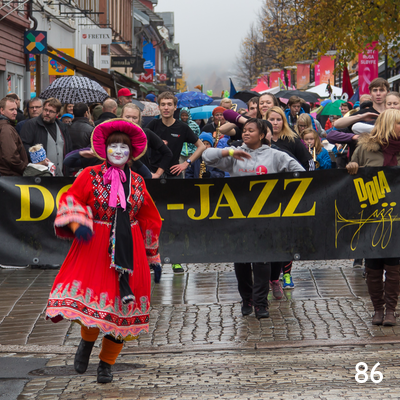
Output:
x,y
96,36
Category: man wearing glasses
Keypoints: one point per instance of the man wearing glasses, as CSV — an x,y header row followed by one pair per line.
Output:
x,y
47,130
35,108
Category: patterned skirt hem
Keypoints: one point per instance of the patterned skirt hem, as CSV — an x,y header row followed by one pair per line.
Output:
x,y
125,333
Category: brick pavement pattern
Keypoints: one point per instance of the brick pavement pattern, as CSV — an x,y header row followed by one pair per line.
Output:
x,y
201,347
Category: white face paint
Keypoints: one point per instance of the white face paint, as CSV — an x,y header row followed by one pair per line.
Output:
x,y
118,154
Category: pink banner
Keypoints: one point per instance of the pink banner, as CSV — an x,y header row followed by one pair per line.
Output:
x,y
367,68
303,75
317,72
273,79
289,78
327,65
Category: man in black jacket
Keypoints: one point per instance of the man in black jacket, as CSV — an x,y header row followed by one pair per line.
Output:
x,y
109,111
47,130
20,114
80,130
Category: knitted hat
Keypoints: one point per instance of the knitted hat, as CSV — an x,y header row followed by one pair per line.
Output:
x,y
218,110
207,137
102,131
37,153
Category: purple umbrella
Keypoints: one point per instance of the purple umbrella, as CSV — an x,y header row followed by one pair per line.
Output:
x,y
192,99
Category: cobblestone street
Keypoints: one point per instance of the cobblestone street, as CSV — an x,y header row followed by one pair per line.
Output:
x,y
201,347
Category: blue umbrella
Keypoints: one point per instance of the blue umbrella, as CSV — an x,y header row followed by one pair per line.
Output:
x,y
192,99
203,112
325,102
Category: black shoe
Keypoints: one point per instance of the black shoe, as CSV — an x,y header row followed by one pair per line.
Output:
x,y
247,307
261,312
104,374
82,356
358,263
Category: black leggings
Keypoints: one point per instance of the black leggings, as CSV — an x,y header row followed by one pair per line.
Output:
x,y
277,267
257,291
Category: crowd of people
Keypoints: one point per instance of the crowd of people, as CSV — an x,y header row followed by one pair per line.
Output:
x,y
120,149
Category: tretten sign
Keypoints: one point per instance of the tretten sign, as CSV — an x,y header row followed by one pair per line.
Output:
x,y
96,36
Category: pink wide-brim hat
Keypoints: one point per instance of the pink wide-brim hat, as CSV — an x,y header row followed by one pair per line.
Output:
x,y
102,131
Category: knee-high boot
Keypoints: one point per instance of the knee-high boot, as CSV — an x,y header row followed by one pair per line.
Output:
x,y
392,290
374,278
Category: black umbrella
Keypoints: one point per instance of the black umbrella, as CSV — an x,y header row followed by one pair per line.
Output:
x,y
246,95
287,94
75,89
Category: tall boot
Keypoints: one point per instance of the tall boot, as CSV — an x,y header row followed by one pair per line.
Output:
x,y
392,291
375,290
89,336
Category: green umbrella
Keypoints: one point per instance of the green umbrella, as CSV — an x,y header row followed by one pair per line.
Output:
x,y
333,108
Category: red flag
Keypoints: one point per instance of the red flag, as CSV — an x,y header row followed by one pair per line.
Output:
x,y
346,85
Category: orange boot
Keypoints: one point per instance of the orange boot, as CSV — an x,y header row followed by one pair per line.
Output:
x,y
110,350
89,336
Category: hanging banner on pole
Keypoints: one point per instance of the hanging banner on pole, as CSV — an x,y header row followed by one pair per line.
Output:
x,y
367,68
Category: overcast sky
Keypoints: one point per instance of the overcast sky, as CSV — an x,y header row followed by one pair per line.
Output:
x,y
209,33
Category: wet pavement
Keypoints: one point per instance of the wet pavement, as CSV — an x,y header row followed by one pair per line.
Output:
x,y
200,346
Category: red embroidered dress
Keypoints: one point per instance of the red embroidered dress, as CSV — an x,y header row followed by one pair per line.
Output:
x,y
87,288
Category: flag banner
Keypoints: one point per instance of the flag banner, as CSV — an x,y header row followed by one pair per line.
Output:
x,y
367,68
303,75
276,217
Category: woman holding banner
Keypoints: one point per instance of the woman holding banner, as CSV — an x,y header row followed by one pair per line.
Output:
x,y
255,156
104,282
381,148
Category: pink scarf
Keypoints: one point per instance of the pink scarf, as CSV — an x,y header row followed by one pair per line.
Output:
x,y
115,176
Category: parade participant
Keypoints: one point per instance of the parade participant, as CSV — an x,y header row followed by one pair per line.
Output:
x,y
155,145
381,148
13,157
311,138
188,149
265,102
198,169
293,110
392,101
104,282
286,139
244,161
48,130
226,103
252,106
378,90
303,122
219,120
174,133
345,108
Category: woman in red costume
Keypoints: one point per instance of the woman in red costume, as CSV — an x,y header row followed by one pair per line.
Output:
x,y
104,283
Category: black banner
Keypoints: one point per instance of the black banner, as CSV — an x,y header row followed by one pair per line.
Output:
x,y
279,217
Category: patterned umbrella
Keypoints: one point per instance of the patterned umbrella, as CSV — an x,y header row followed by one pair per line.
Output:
x,y
192,99
75,89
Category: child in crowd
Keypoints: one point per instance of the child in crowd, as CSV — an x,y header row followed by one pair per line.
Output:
x,y
67,119
40,165
198,169
312,141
